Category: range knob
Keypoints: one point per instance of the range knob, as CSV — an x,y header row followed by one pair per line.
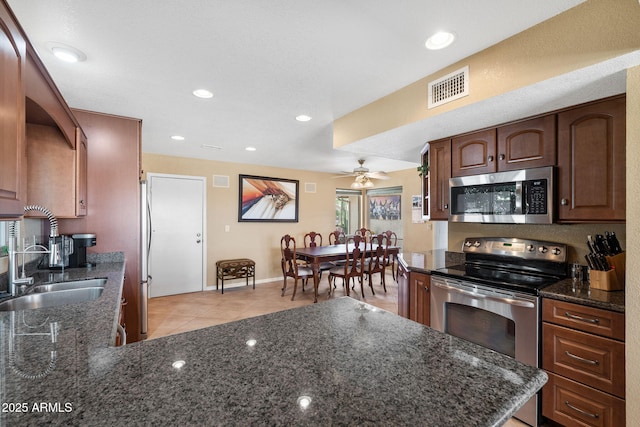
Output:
x,y
542,249
531,248
467,243
476,243
556,251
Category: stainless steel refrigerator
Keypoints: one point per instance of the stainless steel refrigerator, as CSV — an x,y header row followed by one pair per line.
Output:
x,y
145,246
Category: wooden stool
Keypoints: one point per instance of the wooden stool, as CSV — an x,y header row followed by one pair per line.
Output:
x,y
235,269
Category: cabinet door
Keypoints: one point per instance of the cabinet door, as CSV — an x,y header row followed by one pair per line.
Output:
x,y
439,174
12,145
403,291
420,284
527,144
474,153
81,173
591,162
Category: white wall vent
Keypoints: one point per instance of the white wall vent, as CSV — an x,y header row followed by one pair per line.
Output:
x,y
221,181
309,187
452,86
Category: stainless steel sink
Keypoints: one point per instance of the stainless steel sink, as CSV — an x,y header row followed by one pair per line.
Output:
x,y
51,299
77,284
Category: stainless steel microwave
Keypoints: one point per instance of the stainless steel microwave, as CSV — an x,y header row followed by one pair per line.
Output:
x,y
514,197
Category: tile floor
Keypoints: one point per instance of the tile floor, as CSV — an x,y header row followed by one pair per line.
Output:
x,y
185,312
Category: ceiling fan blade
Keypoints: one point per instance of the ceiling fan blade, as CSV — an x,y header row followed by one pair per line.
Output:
x,y
344,175
378,175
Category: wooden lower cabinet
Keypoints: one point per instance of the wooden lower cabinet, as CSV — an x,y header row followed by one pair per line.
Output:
x,y
419,297
403,291
571,403
584,355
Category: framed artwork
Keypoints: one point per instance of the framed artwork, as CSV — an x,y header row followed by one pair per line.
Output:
x,y
384,207
265,199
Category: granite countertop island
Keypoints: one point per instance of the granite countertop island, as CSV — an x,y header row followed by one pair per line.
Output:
x,y
357,364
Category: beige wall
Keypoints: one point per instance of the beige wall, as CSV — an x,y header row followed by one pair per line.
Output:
x,y
592,32
633,249
260,241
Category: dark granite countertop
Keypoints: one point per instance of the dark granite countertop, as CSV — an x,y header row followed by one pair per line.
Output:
x,y
425,262
359,365
584,295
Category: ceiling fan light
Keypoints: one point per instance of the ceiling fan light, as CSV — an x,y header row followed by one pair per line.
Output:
x,y
356,185
368,184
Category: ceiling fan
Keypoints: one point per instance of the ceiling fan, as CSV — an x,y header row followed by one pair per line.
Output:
x,y
363,176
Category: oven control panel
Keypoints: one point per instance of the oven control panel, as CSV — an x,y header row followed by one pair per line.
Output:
x,y
516,247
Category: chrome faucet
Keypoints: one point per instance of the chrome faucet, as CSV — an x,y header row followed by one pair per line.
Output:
x,y
13,249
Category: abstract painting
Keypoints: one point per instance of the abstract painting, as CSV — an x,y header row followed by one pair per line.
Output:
x,y
265,199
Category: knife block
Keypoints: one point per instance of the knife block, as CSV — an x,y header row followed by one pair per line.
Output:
x,y
612,280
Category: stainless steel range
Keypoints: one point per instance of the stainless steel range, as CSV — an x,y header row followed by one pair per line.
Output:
x,y
492,300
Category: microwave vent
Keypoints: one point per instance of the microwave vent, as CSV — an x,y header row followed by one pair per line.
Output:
x,y
453,86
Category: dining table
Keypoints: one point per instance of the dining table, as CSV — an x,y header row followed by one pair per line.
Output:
x,y
316,255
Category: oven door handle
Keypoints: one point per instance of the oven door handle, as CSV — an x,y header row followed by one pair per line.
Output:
x,y
510,301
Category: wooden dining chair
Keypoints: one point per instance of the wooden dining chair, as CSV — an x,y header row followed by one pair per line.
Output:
x,y
290,266
391,258
377,260
336,237
312,240
353,266
365,233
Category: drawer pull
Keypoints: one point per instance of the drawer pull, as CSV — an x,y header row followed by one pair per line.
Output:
x,y
582,411
582,319
582,359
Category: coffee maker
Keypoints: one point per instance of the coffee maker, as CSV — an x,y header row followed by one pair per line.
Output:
x,y
80,244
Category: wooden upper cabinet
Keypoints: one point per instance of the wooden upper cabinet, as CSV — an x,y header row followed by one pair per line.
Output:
x,y
12,148
521,145
40,90
439,173
527,144
57,174
591,162
474,153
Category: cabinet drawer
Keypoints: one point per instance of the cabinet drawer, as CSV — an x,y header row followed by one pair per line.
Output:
x,y
573,404
607,323
592,360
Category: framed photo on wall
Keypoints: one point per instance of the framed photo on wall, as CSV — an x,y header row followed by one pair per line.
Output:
x,y
384,207
264,199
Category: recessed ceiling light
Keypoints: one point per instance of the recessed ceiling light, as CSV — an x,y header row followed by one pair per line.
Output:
x,y
203,93
440,40
303,118
67,53
251,343
250,148
177,138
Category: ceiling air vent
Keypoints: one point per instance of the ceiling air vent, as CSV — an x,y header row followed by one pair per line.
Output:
x,y
452,86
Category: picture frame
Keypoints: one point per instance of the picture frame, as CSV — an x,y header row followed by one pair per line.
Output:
x,y
385,207
264,199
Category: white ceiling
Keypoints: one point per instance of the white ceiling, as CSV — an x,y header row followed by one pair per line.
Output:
x,y
268,61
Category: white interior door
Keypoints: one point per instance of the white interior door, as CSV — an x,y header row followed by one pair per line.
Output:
x,y
177,254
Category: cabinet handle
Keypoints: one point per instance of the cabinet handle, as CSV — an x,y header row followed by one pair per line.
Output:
x,y
581,319
490,158
501,156
582,411
581,359
446,206
564,202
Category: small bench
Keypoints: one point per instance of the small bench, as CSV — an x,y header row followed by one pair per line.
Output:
x,y
235,269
